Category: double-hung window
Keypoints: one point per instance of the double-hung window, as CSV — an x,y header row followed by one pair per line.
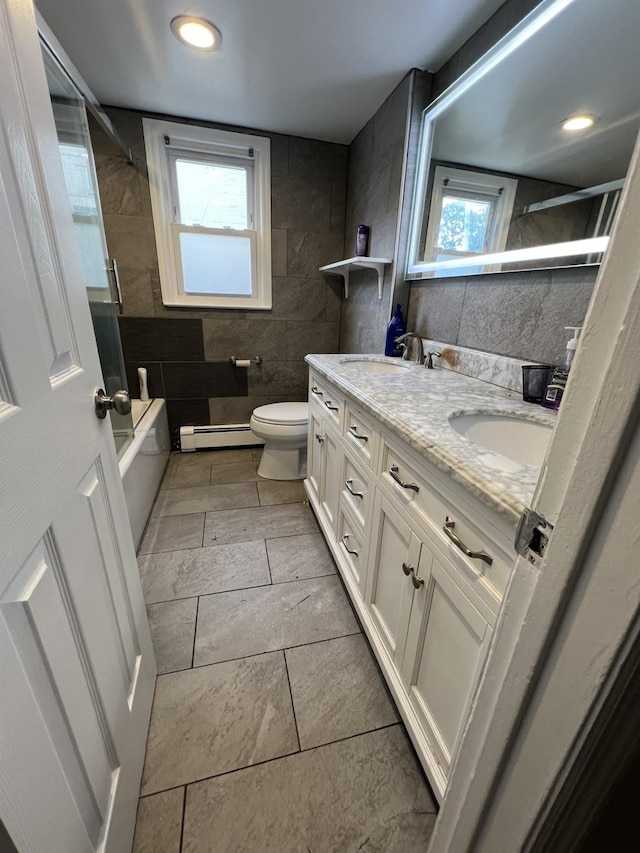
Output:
x,y
211,202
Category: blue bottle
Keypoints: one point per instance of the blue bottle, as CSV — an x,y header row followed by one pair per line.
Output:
x,y
395,328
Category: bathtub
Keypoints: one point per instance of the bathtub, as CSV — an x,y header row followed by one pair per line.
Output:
x,y
143,461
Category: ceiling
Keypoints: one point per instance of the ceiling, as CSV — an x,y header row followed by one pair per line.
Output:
x,y
314,68
584,61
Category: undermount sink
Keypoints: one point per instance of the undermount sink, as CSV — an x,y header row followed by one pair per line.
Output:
x,y
516,438
370,365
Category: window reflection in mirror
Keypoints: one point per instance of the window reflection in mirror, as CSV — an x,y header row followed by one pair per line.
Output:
x,y
498,131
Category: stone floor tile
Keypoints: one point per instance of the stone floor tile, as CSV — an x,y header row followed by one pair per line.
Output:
x,y
295,557
218,718
362,795
252,621
159,823
205,498
236,472
172,533
337,691
242,525
281,492
184,476
173,624
200,571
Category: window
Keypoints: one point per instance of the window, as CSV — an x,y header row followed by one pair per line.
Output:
x,y
469,215
211,202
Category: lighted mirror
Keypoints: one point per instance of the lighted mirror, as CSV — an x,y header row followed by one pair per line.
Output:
x,y
501,184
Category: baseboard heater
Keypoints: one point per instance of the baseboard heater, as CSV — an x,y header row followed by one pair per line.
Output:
x,y
219,435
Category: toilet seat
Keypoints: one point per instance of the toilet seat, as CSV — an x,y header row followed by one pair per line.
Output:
x,y
287,414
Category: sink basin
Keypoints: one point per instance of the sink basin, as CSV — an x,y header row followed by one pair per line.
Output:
x,y
369,365
516,438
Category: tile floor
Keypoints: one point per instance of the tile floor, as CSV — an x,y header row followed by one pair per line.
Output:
x,y
271,727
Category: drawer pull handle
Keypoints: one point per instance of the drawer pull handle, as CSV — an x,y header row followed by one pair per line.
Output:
x,y
417,582
354,432
448,527
407,569
345,542
393,473
319,438
315,390
349,485
330,407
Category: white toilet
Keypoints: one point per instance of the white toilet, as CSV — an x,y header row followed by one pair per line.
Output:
x,y
283,426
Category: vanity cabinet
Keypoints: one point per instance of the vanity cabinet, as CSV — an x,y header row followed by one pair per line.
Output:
x,y
396,527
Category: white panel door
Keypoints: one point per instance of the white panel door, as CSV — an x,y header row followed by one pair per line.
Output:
x,y
76,666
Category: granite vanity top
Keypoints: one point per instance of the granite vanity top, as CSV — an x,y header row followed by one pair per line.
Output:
x,y
417,404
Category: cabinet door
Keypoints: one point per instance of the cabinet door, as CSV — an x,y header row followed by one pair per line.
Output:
x,y
330,482
314,454
446,646
389,589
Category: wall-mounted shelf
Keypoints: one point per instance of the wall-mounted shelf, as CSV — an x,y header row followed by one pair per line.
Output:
x,y
343,268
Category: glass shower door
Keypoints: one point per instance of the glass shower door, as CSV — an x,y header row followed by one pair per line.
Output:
x,y
79,171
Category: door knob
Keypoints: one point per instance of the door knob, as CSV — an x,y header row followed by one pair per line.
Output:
x,y
120,401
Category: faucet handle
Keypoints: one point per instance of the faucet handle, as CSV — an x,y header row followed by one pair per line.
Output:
x,y
428,361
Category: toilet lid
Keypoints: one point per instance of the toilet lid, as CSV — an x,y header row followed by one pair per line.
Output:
x,y
283,413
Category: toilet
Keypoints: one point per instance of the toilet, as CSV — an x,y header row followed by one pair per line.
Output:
x,y
283,427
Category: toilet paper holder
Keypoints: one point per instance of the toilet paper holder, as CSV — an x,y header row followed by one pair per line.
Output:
x,y
244,362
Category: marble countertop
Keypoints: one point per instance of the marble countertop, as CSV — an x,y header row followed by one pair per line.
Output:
x,y
417,404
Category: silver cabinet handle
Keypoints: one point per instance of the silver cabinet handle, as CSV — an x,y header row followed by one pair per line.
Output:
x,y
349,485
315,390
345,541
354,432
407,569
448,527
319,438
393,473
417,582
120,403
329,406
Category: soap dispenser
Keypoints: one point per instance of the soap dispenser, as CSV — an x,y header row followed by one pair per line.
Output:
x,y
562,366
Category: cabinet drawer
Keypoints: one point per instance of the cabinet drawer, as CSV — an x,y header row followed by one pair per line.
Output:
x,y
327,399
360,434
356,491
446,519
351,544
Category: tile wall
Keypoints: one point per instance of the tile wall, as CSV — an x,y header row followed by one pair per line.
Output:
x,y
187,352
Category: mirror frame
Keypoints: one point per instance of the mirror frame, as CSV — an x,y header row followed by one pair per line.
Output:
x,y
416,269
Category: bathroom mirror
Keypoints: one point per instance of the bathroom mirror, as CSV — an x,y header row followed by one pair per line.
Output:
x,y
501,185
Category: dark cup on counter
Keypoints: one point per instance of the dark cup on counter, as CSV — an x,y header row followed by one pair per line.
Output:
x,y
535,378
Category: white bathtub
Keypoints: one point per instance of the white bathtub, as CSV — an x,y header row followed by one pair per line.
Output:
x,y
144,460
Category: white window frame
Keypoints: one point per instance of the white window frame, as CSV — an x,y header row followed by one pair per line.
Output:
x,y
198,142
500,191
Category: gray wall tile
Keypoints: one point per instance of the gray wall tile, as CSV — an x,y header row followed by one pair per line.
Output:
x,y
307,251
121,186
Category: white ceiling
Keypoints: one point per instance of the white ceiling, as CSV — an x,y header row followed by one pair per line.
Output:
x,y
315,68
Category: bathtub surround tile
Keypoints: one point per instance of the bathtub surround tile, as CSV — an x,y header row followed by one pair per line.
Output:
x,y
155,339
337,691
159,823
364,794
282,615
173,533
192,379
243,525
201,571
296,557
273,492
218,718
173,624
205,498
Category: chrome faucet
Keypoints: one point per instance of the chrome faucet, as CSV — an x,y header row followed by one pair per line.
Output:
x,y
402,340
428,361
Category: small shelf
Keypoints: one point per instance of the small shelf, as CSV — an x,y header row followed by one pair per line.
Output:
x,y
343,268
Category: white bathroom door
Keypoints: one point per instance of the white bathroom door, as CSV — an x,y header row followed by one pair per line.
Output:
x,y
76,665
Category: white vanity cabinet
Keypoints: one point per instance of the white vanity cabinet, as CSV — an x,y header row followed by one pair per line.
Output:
x,y
396,527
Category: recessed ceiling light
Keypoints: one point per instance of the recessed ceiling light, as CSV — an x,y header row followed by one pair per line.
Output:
x,y
196,32
578,122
